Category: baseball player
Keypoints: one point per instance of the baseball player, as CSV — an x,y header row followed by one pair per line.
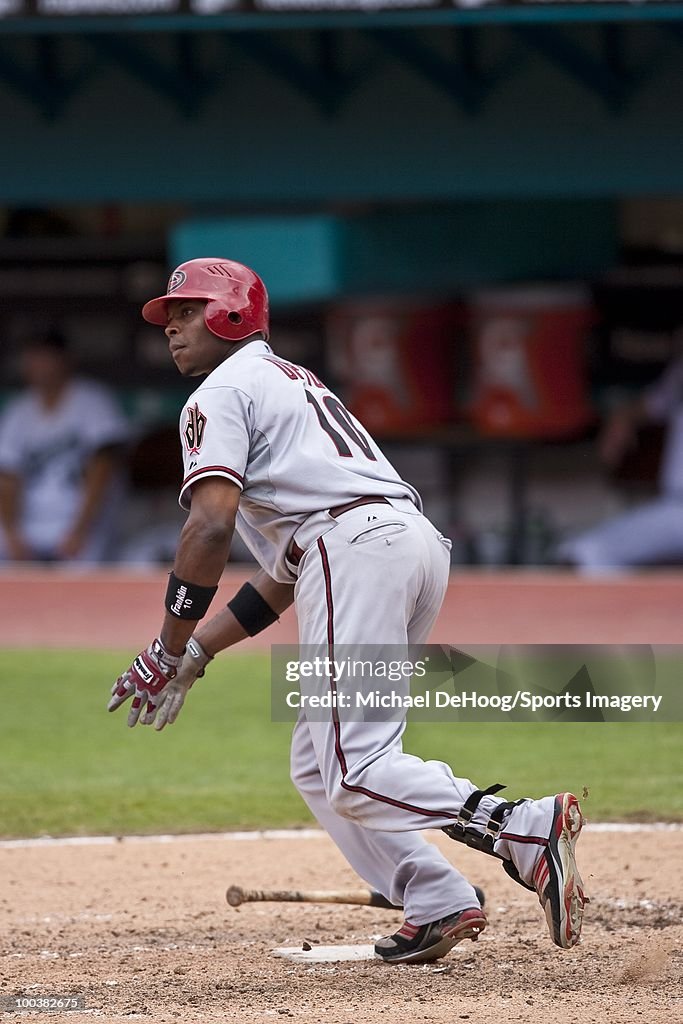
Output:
x,y
60,462
271,451
651,533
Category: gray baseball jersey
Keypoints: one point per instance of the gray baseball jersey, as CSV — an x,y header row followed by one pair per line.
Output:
x,y
285,439
374,574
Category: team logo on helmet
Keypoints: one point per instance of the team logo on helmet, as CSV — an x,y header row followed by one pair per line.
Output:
x,y
177,278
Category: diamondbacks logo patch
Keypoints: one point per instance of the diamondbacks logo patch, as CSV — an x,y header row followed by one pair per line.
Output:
x,y
194,429
177,278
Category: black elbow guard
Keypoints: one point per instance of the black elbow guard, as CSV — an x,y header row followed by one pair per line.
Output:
x,y
251,610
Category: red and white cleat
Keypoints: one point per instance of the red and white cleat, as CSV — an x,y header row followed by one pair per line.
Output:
x,y
414,944
556,877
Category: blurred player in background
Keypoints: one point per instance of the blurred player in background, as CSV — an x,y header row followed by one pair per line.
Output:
x,y
651,533
61,442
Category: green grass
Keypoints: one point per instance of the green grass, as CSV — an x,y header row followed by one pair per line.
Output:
x,y
68,767
632,771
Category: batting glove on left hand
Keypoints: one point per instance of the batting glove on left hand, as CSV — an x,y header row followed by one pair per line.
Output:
x,y
152,670
172,697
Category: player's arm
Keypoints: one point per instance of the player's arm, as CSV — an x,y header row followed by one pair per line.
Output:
x,y
656,404
202,552
225,629
12,462
99,473
620,431
10,504
256,606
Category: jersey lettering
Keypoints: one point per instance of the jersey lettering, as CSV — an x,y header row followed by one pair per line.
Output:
x,y
295,372
342,417
312,379
338,441
287,368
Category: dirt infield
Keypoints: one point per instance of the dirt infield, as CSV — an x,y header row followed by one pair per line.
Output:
x,y
141,930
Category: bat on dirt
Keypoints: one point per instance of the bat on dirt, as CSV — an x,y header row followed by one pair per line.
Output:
x,y
236,895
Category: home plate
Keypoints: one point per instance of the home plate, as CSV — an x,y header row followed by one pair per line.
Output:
x,y
325,954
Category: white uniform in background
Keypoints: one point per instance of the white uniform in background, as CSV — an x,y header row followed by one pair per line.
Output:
x,y
49,450
375,574
651,533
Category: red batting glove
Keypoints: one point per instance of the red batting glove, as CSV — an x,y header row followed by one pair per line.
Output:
x,y
144,680
171,699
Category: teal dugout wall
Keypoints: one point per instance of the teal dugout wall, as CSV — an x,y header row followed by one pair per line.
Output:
x,y
425,249
343,111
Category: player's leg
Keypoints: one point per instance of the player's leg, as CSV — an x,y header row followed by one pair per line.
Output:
x,y
359,591
647,535
349,592
441,906
403,866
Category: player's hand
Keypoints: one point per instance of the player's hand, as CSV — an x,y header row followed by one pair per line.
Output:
x,y
616,439
172,697
72,544
17,548
152,670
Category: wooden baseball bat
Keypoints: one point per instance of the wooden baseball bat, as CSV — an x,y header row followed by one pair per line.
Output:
x,y
236,895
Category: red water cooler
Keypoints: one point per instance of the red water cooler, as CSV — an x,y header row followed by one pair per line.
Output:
x,y
395,361
529,355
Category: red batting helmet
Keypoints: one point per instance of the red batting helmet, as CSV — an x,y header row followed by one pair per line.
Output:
x,y
237,298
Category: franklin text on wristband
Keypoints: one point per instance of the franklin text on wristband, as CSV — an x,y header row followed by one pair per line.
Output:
x,y
188,600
